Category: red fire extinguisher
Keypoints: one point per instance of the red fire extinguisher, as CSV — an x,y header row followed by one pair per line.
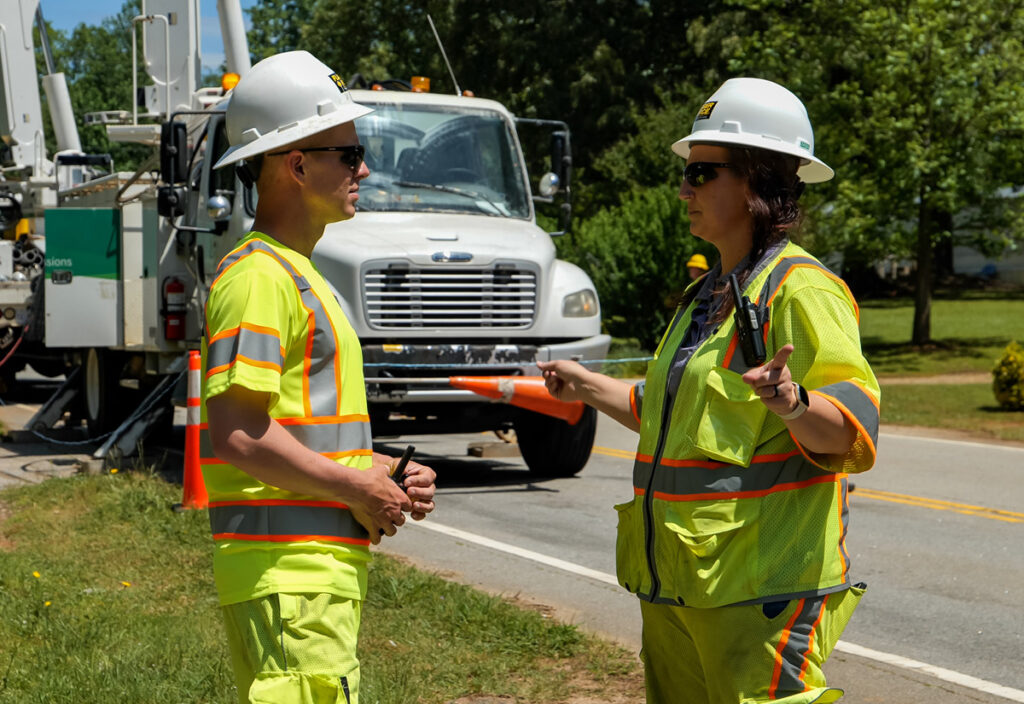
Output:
x,y
175,305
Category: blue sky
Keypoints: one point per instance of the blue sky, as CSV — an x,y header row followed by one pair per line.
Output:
x,y
67,14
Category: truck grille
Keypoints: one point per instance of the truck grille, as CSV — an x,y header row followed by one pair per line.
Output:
x,y
401,297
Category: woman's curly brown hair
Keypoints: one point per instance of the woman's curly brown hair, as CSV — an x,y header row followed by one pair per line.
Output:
x,y
773,193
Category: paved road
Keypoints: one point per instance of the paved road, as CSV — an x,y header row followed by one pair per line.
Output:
x,y
937,532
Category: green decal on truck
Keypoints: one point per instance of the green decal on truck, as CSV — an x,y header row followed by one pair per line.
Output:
x,y
82,242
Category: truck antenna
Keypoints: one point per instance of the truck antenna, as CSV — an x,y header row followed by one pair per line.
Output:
x,y
444,56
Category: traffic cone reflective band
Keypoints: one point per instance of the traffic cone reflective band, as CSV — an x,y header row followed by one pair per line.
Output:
x,y
526,392
194,489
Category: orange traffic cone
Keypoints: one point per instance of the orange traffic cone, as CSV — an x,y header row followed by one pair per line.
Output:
x,y
526,392
194,489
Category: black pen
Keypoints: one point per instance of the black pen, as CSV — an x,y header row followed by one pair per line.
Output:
x,y
399,473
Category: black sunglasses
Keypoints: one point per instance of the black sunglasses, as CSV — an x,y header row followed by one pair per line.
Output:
x,y
700,172
351,155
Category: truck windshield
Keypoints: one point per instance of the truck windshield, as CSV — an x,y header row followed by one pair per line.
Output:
x,y
446,159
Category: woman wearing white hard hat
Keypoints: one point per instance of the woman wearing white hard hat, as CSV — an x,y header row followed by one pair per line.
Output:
x,y
749,422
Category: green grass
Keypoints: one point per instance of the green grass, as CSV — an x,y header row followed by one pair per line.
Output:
x,y
969,408
123,610
969,335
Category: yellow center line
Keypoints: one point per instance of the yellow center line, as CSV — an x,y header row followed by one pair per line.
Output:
x,y
613,452
878,495
940,505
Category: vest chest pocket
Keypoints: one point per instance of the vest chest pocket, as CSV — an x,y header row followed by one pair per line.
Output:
x,y
731,422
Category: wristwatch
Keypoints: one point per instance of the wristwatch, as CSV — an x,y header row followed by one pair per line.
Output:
x,y
802,402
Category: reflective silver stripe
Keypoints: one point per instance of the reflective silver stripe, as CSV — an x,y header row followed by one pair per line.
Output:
x,y
251,344
844,518
641,472
858,403
794,652
778,275
319,437
286,520
737,363
324,386
333,437
728,479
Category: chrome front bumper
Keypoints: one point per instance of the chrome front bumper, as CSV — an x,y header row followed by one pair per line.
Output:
x,y
419,373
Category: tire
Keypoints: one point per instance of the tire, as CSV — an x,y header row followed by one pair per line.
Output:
x,y
552,447
103,403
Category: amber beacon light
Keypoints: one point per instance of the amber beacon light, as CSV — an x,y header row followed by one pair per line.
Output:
x,y
229,80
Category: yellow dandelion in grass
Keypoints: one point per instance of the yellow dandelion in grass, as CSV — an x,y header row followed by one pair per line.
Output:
x,y
113,470
46,603
36,574
126,584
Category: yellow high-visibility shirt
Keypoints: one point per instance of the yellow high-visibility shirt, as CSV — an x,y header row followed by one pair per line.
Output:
x,y
273,325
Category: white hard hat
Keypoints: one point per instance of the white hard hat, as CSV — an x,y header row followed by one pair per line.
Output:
x,y
282,99
752,112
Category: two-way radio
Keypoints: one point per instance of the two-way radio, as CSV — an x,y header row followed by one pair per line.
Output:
x,y
748,327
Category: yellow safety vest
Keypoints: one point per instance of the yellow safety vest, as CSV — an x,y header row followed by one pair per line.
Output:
x,y
727,507
273,325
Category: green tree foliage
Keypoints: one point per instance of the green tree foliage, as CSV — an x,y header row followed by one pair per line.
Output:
x,y
96,62
917,104
638,252
919,107
278,25
587,63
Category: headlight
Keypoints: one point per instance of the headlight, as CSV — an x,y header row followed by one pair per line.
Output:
x,y
581,304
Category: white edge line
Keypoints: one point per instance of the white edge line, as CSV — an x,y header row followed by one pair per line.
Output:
x,y
941,673
968,443
849,648
521,552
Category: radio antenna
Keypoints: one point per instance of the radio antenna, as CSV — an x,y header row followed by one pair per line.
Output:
x,y
444,56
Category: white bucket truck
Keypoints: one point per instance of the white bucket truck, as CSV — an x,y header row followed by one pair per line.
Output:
x,y
443,272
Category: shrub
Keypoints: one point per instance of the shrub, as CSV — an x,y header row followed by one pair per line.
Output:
x,y
1008,378
636,254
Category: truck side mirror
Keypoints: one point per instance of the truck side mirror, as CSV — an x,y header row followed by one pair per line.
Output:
x,y
561,159
173,153
557,151
561,166
170,201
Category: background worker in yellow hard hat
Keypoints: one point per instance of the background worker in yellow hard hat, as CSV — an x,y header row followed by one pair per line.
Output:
x,y
296,492
734,537
697,266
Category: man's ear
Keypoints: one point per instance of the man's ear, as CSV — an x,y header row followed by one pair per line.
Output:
x,y
295,164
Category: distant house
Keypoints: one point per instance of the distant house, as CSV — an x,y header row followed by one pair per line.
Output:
x,y
1009,267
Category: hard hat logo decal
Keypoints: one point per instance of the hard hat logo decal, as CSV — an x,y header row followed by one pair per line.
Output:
x,y
338,82
705,110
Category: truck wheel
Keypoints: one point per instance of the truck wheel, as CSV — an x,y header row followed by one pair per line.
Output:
x,y
100,386
552,447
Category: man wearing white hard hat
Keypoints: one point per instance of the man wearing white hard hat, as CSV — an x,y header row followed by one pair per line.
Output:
x,y
296,492
757,406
